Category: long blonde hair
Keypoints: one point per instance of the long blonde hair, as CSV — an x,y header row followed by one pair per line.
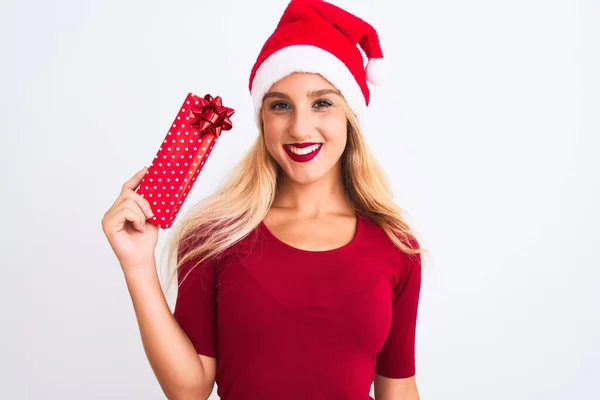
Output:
x,y
247,192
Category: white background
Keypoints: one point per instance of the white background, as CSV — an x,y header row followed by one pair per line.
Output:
x,y
488,129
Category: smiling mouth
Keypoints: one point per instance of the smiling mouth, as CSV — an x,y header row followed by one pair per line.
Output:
x,y
304,150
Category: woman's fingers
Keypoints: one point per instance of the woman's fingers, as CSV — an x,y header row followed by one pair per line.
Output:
x,y
132,213
142,203
135,180
116,218
128,192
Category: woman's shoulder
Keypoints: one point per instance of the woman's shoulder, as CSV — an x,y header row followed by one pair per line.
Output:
x,y
374,234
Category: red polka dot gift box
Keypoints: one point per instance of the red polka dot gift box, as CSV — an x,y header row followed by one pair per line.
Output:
x,y
182,155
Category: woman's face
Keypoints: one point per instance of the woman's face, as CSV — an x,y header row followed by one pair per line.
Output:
x,y
305,126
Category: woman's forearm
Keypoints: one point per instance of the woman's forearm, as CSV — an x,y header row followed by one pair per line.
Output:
x,y
172,356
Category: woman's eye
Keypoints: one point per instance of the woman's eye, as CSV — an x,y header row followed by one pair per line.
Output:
x,y
282,106
279,106
323,104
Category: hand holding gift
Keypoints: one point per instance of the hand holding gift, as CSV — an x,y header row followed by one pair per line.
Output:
x,y
124,224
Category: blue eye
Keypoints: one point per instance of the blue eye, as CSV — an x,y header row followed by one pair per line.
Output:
x,y
279,106
282,106
323,103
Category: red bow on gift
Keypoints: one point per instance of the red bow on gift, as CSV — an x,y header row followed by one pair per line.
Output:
x,y
210,115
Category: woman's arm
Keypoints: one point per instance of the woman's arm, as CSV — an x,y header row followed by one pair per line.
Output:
x,y
172,356
395,389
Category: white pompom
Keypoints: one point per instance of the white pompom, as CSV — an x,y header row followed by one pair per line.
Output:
x,y
376,71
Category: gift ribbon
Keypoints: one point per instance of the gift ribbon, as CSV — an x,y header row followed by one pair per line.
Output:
x,y
210,116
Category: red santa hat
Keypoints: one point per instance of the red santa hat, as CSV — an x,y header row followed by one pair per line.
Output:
x,y
319,37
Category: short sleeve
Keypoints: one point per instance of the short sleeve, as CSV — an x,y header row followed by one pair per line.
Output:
x,y
195,306
397,356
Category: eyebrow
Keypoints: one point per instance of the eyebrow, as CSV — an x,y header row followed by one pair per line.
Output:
x,y
310,94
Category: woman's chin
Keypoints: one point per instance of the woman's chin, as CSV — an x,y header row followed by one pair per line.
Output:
x,y
303,176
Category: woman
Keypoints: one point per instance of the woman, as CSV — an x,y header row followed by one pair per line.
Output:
x,y
299,275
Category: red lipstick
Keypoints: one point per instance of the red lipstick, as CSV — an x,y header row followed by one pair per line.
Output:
x,y
302,157
301,145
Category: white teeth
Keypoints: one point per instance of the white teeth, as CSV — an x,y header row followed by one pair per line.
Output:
x,y
305,150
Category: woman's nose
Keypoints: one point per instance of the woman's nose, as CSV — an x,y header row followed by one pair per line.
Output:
x,y
300,125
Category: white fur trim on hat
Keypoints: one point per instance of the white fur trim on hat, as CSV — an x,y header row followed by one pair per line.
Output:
x,y
307,58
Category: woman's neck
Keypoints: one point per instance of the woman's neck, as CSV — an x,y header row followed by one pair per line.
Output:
x,y
322,197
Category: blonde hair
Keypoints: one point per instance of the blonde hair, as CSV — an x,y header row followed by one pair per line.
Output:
x,y
247,192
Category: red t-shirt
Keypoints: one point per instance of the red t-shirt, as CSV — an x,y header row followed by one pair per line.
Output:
x,y
286,323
